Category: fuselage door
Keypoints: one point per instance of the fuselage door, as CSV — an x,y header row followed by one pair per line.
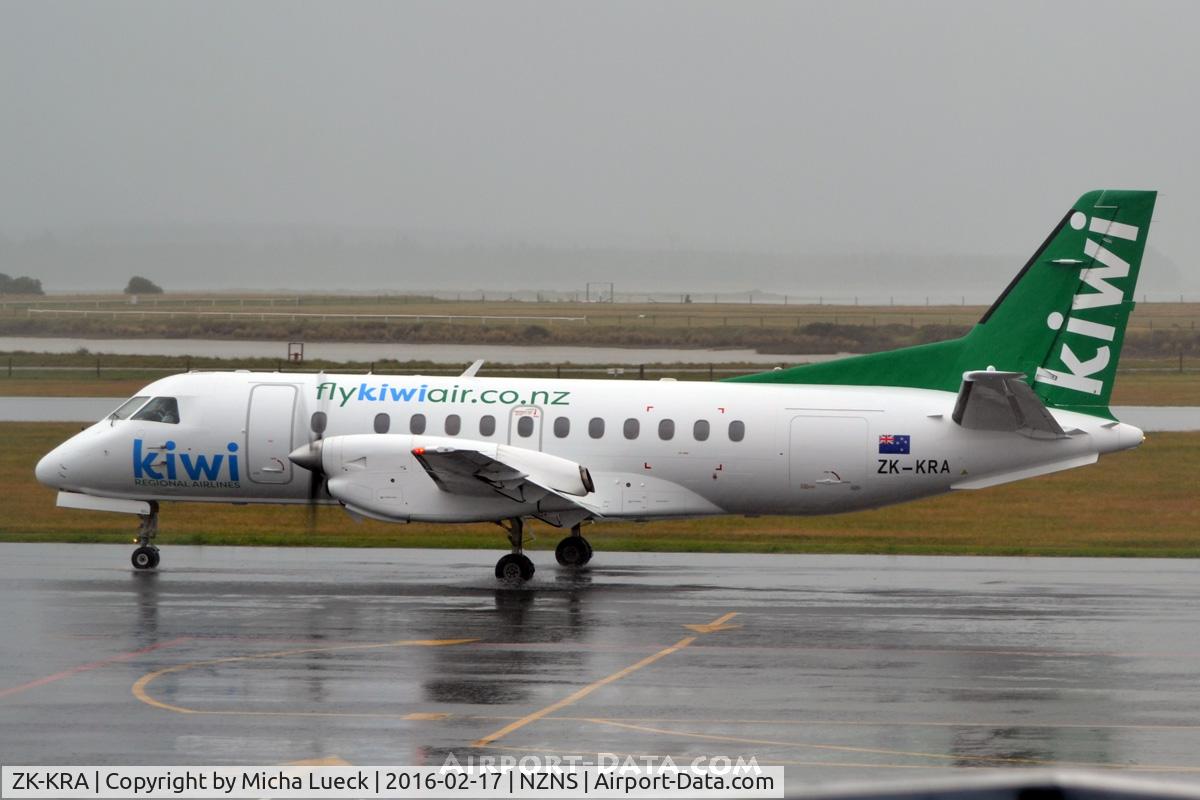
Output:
x,y
525,427
827,456
269,433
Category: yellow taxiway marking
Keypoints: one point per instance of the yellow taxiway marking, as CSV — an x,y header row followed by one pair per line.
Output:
x,y
887,752
718,624
139,686
578,695
67,673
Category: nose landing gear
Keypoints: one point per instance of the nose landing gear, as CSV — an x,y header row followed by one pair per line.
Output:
x,y
146,555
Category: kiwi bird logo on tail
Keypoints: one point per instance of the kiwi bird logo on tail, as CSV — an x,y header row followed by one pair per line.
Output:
x,y
1079,373
1102,242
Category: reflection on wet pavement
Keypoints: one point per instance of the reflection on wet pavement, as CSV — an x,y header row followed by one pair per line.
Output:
x,y
838,667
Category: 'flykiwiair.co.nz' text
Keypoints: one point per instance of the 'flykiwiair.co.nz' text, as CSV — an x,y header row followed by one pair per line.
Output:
x,y
386,393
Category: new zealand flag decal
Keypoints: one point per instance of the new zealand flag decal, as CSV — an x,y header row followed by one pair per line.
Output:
x,y
894,444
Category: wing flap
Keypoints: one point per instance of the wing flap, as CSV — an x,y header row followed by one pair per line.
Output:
x,y
525,476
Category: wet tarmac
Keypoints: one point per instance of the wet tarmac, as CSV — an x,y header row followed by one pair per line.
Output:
x,y
57,409
841,668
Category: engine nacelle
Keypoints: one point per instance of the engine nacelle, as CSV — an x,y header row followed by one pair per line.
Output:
x,y
380,477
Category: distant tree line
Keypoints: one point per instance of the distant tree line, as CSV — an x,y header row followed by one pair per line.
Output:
x,y
139,285
21,285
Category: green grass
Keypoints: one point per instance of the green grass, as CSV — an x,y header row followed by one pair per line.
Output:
x,y
1155,329
703,312
1142,381
1139,503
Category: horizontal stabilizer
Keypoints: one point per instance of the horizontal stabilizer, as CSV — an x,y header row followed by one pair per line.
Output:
x,y
999,478
1002,401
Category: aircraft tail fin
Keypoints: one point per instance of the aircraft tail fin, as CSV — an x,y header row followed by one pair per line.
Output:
x,y
1061,321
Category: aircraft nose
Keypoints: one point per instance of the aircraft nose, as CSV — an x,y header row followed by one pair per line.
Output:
x,y
52,469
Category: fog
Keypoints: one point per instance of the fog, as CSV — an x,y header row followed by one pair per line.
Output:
x,y
811,148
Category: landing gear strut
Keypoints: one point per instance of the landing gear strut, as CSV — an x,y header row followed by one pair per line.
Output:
x,y
573,551
516,567
146,555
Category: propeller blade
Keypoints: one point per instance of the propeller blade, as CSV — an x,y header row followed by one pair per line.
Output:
x,y
308,456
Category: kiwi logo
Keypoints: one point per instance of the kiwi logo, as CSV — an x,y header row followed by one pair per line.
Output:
x,y
1080,372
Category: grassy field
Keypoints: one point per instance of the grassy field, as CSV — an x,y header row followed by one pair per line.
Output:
x,y
1140,503
1141,382
703,312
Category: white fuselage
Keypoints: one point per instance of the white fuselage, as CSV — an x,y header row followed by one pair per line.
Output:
x,y
667,448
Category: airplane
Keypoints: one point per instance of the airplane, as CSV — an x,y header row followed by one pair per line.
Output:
x,y
1024,393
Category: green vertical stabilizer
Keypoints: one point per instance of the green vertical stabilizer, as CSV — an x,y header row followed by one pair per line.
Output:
x,y
1061,321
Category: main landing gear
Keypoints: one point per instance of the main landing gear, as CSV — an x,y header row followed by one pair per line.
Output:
x,y
146,555
573,551
516,567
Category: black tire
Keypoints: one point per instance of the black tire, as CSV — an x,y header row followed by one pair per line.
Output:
x,y
157,557
514,568
144,558
573,551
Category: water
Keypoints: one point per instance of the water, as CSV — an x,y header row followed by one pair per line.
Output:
x,y
378,351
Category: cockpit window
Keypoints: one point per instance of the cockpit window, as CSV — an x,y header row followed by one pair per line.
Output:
x,y
128,407
160,409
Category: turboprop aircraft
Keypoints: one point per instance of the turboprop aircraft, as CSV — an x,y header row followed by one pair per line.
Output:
x,y
1024,393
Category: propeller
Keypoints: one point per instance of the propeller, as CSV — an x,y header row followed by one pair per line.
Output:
x,y
308,456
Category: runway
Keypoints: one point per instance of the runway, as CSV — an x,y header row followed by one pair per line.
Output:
x,y
838,667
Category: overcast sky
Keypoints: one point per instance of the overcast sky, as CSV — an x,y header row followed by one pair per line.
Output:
x,y
939,127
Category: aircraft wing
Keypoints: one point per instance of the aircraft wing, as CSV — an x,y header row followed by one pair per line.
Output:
x,y
1002,401
522,475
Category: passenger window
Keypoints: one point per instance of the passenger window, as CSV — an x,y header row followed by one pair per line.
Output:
x,y
562,427
737,430
666,429
416,423
525,427
700,430
383,423
318,422
453,425
632,428
128,407
160,409
487,425
596,427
